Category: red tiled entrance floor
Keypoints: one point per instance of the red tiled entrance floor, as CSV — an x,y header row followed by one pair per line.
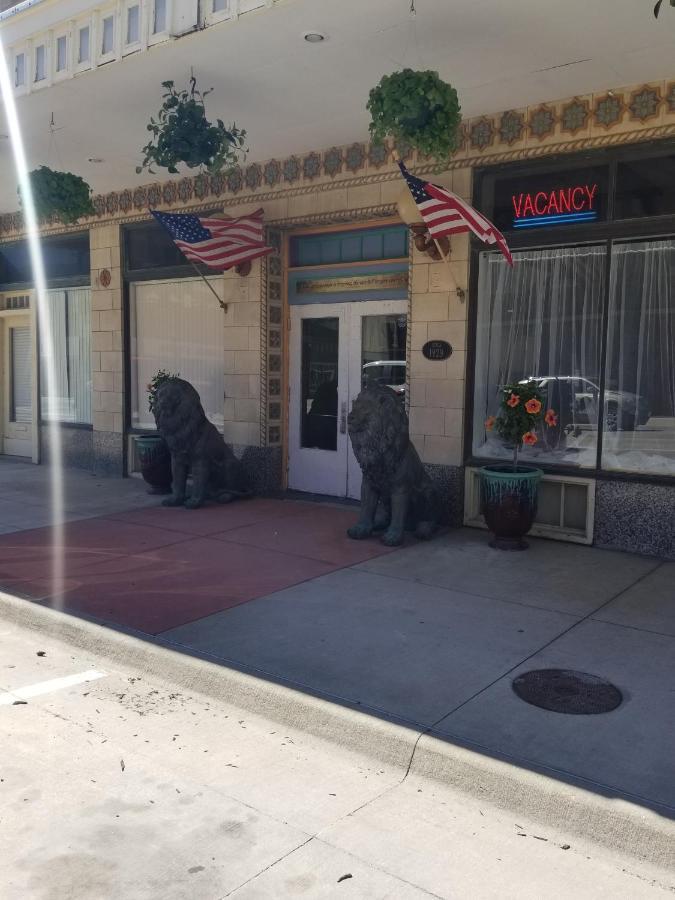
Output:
x,y
155,569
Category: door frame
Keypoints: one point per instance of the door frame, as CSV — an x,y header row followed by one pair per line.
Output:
x,y
350,315
8,319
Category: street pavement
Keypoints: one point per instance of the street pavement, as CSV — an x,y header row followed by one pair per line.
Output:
x,y
127,786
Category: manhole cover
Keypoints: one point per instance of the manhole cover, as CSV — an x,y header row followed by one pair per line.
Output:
x,y
566,691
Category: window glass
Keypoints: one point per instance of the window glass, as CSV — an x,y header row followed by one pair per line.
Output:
x,y
133,25
40,63
68,338
61,53
83,51
159,19
219,5
383,346
550,199
108,38
645,187
19,70
64,257
319,399
176,326
540,320
639,408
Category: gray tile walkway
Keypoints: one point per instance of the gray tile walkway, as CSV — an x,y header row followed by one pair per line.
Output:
x,y
25,495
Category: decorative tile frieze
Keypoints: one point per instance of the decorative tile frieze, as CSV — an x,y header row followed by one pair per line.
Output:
x,y
608,110
98,203
644,103
542,122
235,180
140,198
291,169
574,116
378,155
169,193
126,201
355,157
185,189
670,97
272,173
482,134
253,177
333,161
511,127
154,195
311,166
201,185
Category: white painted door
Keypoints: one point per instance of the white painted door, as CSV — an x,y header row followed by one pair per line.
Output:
x,y
335,350
17,424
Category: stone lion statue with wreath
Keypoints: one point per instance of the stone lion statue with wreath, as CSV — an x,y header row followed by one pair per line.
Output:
x,y
396,491
196,448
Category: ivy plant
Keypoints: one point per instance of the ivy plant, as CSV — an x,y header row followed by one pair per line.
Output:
x,y
59,194
181,133
416,108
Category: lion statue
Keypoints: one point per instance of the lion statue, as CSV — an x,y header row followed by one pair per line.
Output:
x,y
196,447
393,473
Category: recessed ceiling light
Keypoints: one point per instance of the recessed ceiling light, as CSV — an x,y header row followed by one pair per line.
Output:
x,y
314,37
95,159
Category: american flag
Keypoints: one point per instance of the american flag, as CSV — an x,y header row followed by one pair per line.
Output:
x,y
217,243
446,213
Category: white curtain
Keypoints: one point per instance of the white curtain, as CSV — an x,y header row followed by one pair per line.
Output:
x,y
639,429
69,342
541,319
176,326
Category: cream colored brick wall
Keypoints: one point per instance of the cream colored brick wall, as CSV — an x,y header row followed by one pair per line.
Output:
x,y
437,313
107,363
241,357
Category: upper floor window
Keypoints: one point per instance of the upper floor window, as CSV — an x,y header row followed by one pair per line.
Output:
x,y
108,35
83,51
19,70
219,5
133,24
40,63
159,18
61,53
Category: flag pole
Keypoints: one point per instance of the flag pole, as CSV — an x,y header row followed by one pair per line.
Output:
x,y
223,305
446,259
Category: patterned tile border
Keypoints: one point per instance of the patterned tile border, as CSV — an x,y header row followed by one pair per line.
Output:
x,y
625,115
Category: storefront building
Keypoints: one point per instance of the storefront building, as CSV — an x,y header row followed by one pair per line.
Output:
x,y
584,191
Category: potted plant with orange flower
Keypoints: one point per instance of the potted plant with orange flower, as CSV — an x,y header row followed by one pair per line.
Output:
x,y
509,492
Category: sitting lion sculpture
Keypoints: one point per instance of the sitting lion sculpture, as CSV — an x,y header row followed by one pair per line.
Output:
x,y
393,473
196,447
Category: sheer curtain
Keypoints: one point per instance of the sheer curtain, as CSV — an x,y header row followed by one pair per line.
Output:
x,y
639,416
177,326
70,337
541,319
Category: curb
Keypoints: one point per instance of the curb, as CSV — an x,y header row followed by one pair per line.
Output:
x,y
554,800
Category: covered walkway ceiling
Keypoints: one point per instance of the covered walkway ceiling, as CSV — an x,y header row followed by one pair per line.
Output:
x,y
293,96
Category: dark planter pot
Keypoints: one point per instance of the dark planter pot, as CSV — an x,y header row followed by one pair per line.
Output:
x,y
155,462
509,503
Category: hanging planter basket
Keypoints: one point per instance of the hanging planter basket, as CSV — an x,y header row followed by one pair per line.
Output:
x,y
416,108
181,134
60,194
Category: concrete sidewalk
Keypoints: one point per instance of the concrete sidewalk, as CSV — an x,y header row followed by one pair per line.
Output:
x,y
429,636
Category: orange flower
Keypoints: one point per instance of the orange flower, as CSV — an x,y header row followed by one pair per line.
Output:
x,y
533,406
529,438
513,400
490,423
550,418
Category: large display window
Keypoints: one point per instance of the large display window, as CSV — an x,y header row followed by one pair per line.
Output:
x,y
592,321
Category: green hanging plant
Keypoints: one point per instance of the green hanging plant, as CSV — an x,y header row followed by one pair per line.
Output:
x,y
416,108
181,133
59,194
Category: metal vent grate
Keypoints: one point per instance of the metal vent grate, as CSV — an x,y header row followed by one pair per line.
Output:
x,y
18,301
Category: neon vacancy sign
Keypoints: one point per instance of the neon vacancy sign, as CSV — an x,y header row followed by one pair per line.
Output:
x,y
556,207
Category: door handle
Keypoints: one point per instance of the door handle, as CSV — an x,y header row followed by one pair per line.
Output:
x,y
343,417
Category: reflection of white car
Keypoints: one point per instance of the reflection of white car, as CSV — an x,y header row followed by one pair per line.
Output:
x,y
623,411
389,372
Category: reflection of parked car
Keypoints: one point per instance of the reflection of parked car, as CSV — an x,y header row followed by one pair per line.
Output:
x,y
389,372
576,400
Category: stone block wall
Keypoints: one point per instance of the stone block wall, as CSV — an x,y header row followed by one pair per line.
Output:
x,y
107,355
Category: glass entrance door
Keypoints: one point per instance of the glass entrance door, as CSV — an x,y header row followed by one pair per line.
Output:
x,y
17,426
336,349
